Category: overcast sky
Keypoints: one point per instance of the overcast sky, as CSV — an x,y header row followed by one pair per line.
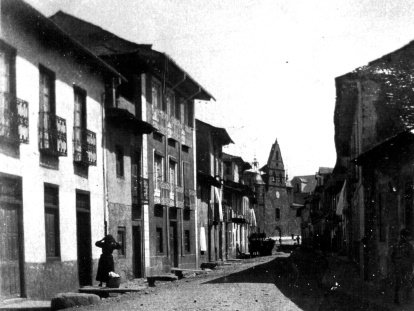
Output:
x,y
270,64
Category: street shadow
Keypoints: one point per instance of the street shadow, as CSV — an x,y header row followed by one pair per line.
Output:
x,y
303,289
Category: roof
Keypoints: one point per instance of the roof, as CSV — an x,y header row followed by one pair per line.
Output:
x,y
325,170
310,182
124,53
237,159
53,33
220,134
398,145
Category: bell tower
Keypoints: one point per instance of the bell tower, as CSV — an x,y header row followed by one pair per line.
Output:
x,y
276,168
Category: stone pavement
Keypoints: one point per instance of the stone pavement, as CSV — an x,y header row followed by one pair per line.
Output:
x,y
342,276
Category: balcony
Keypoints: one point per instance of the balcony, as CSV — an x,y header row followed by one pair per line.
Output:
x,y
160,121
187,136
84,145
122,119
52,134
144,190
14,119
165,193
179,197
190,199
174,129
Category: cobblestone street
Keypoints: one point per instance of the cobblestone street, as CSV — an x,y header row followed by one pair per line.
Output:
x,y
252,284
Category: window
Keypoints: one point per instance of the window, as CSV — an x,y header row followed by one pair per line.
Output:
x,y
277,213
156,95
173,172
189,114
121,241
187,215
158,170
79,122
297,188
170,98
119,155
6,79
177,110
47,91
280,178
187,245
159,240
51,201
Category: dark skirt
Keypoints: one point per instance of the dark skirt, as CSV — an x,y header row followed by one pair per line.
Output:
x,y
105,265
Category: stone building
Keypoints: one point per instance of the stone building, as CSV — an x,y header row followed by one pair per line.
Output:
x,y
51,160
162,228
373,119
281,219
213,220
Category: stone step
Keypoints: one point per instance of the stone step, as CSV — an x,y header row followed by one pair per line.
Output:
x,y
25,304
163,277
104,292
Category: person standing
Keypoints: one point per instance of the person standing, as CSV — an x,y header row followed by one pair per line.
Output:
x,y
402,257
106,261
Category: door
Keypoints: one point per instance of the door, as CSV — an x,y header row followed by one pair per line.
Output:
x,y
84,240
9,250
173,244
137,253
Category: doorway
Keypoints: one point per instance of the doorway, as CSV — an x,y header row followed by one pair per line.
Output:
x,y
173,244
84,240
137,251
11,248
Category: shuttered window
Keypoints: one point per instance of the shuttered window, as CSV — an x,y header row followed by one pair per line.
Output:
x,y
51,201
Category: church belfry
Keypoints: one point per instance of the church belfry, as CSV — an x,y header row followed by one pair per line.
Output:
x,y
275,167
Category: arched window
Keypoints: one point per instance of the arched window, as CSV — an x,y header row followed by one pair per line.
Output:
x,y
280,178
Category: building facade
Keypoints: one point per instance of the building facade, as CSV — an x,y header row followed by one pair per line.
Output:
x,y
160,94
51,160
373,118
212,216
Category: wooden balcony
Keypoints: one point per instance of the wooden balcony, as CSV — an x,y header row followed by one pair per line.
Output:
x,y
14,119
160,121
190,199
179,197
52,134
84,146
187,136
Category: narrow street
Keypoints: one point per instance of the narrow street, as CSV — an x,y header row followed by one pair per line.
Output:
x,y
252,284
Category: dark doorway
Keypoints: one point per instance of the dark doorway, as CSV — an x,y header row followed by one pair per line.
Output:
x,y
83,226
137,251
173,244
11,248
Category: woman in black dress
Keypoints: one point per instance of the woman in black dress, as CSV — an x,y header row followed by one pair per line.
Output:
x,y
106,261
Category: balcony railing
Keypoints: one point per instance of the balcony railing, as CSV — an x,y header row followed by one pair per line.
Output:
x,y
174,129
160,120
52,134
179,197
144,190
190,198
84,145
165,193
14,119
187,136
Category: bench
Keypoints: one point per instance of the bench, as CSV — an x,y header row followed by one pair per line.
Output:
x,y
179,272
104,292
166,277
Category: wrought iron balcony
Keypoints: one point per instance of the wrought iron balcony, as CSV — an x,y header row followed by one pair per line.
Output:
x,y
52,134
165,193
190,198
84,145
174,129
160,120
144,190
14,119
179,197
187,136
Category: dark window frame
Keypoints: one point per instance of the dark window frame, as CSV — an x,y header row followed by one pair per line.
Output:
x,y
159,240
52,208
121,239
119,161
187,241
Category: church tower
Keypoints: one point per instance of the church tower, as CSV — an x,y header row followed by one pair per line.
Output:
x,y
280,219
276,168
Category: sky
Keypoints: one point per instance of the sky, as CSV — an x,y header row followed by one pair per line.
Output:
x,y
270,64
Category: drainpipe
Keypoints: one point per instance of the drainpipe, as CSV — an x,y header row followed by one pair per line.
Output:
x,y
105,196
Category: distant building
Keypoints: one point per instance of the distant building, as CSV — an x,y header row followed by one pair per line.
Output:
x,y
212,216
280,218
